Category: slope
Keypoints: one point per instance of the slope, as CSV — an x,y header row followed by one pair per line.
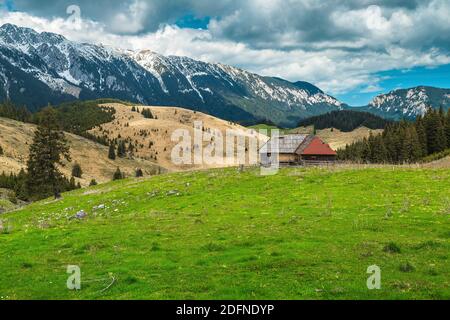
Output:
x,y
15,138
152,138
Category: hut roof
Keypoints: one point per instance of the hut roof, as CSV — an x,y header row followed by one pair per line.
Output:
x,y
318,147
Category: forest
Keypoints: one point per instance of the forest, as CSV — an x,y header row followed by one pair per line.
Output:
x,y
345,121
404,142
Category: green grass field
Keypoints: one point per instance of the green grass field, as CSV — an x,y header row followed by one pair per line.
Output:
x,y
221,234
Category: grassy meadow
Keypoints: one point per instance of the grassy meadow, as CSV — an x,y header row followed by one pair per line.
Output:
x,y
223,234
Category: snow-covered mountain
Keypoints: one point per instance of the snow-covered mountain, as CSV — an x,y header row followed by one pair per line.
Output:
x,y
41,68
409,103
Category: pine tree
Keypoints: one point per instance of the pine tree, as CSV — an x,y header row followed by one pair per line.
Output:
x,y
379,151
76,171
422,135
416,147
436,140
139,173
121,149
72,184
112,152
447,128
131,148
118,175
48,150
20,187
147,113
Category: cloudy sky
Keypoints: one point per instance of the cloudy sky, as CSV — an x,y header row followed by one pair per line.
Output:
x,y
352,49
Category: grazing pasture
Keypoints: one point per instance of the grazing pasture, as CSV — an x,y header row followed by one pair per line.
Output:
x,y
225,234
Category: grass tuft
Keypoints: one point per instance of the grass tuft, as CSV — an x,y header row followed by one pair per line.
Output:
x,y
406,267
392,247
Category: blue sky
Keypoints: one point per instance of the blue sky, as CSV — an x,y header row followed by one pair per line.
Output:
x,y
191,21
351,49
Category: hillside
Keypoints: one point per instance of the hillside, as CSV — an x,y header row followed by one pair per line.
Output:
x,y
15,138
41,68
301,234
151,138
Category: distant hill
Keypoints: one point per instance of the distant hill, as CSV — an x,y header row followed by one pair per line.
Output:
x,y
345,121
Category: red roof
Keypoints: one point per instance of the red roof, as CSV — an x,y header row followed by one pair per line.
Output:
x,y
318,147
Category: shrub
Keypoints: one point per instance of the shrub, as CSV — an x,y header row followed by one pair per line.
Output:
x,y
93,183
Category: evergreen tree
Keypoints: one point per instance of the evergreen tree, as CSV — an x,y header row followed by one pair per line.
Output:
x,y
422,135
436,140
48,150
131,148
121,149
139,173
112,152
379,151
147,113
416,150
118,175
76,171
447,128
72,184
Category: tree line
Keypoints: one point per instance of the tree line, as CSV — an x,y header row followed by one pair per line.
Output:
x,y
403,142
345,121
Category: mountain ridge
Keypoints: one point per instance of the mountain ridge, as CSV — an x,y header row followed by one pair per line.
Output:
x,y
62,70
37,69
409,103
